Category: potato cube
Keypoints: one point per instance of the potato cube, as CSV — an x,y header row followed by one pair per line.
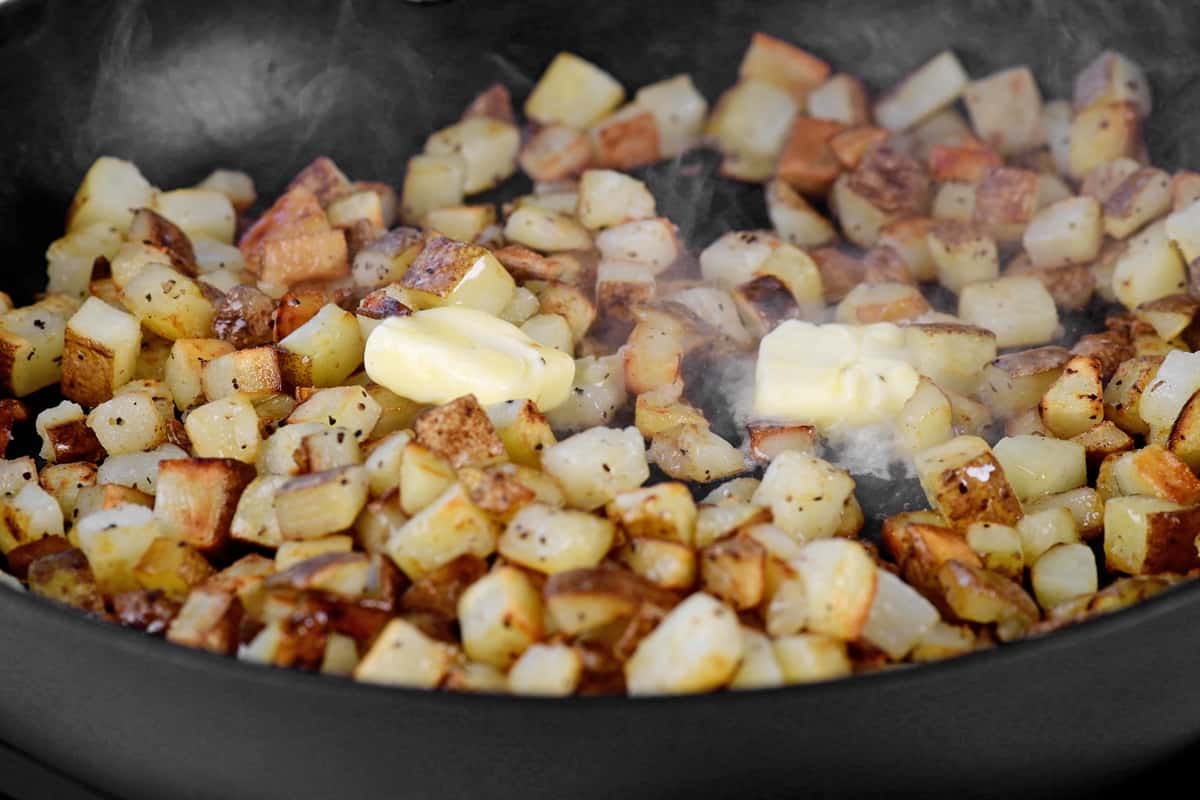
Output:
x,y
978,595
962,253
225,428
172,567
759,668
1006,110
953,356
626,139
808,163
488,147
811,657
1142,197
695,648
66,436
1066,232
663,511
1017,308
573,92
679,111
783,64
324,351
693,452
184,370
1040,465
842,98
300,551
128,423
114,541
1016,382
932,87
432,181
733,570
196,499
608,198
807,496
424,476
1102,133
99,352
1167,391
1074,403
254,519
66,578
1147,535
794,219
1112,78
1154,471
595,466
109,193
548,670
31,345
500,616
447,528
253,372
138,470
751,121
900,617
926,418
32,513
555,152
553,540
1062,573
320,503
404,656
966,483
667,565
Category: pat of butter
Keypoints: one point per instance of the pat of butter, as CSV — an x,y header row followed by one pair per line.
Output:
x,y
830,375
439,354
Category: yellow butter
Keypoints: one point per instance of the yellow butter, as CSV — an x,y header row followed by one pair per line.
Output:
x,y
436,355
829,375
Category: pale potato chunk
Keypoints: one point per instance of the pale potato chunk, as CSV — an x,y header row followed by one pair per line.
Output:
x,y
1062,573
546,231
432,181
500,616
926,418
1041,530
70,260
759,668
811,657
696,648
137,470
1039,465
225,428
320,503
839,579
447,528
807,496
595,466
168,303
100,352
553,540
546,670
1147,535
964,481
110,192
1067,232
751,121
574,92
128,423
1017,308
608,198
932,87
693,452
679,110
404,656
323,351
999,547
487,146
899,616
963,254
1006,110
1149,268
1168,390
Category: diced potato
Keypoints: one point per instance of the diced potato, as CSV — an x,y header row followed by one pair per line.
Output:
x,y
1148,535
1165,394
999,546
962,253
137,470
110,192
926,418
1040,465
1017,308
842,98
751,122
811,657
1062,573
693,452
966,483
783,64
622,286
1184,439
237,186
595,466
573,92
546,231
759,668
1005,202
114,541
679,111
608,198
1102,133
487,146
31,344
184,370
663,511
523,430
64,577
1142,197
432,181
807,496
839,579
1066,232
128,423
1170,316
626,139
1041,530
1154,471
292,553
1085,506
404,656
733,570
447,272
99,353
31,514
952,355
424,476
500,616
1006,110
323,351
65,481
70,260
555,152
945,641
255,520
1181,228
254,372
1112,78
225,428
668,565
1056,125
881,302
171,567
546,670
695,648
447,528
932,87
654,242
979,595
553,540
955,202
899,618
320,503
463,223
168,303
1074,403
1016,382
794,219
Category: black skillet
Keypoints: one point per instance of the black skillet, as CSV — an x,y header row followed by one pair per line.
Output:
x,y
265,86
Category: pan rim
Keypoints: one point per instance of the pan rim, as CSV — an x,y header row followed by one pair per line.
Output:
x,y
1171,600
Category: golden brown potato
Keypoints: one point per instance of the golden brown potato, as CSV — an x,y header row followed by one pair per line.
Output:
x,y
460,432
965,483
196,498
67,578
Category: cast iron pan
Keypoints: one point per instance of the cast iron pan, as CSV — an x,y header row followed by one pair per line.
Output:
x,y
265,86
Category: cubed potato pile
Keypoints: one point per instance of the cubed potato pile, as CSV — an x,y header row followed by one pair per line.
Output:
x,y
222,472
